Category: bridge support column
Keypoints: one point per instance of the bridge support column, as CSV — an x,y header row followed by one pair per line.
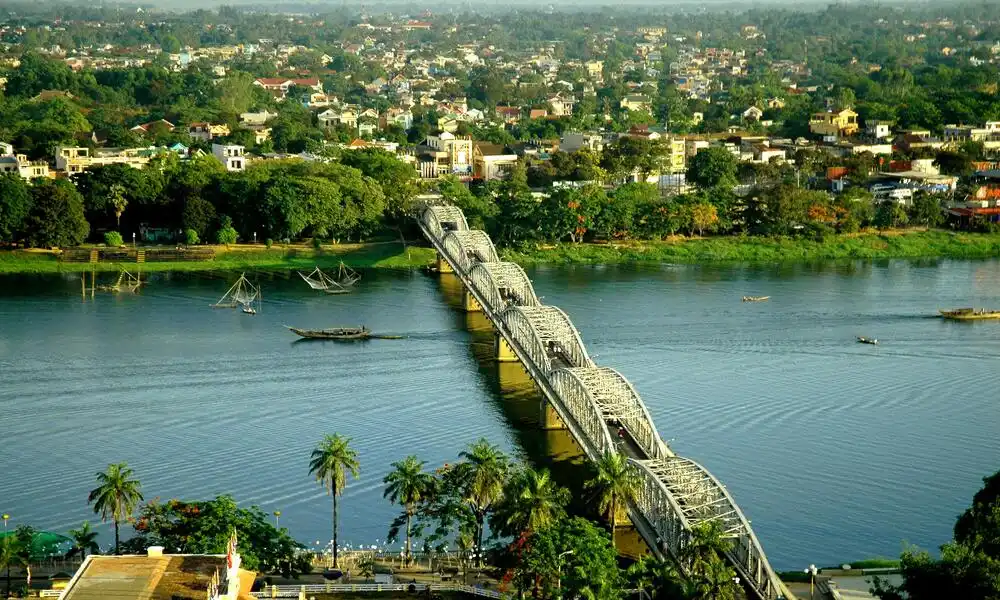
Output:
x,y
469,302
502,350
549,418
442,265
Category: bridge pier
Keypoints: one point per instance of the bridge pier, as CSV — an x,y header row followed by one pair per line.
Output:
x,y
443,266
469,302
548,418
502,350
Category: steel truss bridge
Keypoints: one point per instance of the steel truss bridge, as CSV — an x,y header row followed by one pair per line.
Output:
x,y
592,401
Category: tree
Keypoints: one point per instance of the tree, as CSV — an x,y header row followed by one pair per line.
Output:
x,y
11,554
706,545
15,204
191,237
954,163
331,462
926,210
407,484
199,216
570,212
569,558
660,578
116,198
206,526
37,73
615,483
397,179
713,167
532,501
484,470
116,495
56,215
619,215
84,540
113,239
704,216
969,566
890,213
226,234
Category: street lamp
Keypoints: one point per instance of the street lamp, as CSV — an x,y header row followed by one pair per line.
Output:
x,y
277,515
559,563
133,239
812,570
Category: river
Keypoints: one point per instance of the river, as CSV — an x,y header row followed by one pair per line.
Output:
x,y
835,450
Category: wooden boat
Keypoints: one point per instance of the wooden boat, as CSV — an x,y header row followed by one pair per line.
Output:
x,y
338,333
756,298
970,314
867,340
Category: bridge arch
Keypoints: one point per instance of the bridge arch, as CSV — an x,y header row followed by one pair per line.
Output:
x,y
618,401
441,218
693,496
469,247
584,410
546,334
502,284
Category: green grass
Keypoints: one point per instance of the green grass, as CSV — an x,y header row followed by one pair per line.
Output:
x,y
916,244
872,563
383,256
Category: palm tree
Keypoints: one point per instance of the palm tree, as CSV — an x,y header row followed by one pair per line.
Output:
x,y
615,483
716,582
116,197
331,461
11,554
706,545
532,501
408,484
84,540
116,495
486,468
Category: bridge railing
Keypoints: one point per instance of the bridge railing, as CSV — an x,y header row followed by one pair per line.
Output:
x,y
666,507
295,591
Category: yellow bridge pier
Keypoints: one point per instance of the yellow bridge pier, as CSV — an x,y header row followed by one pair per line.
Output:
x,y
443,266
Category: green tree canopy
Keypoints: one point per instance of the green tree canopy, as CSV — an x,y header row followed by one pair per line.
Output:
x,y
56,217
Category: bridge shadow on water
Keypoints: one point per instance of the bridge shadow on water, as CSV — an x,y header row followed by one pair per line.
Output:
x,y
514,395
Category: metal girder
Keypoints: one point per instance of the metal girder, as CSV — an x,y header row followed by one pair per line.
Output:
x,y
550,335
503,284
440,218
470,247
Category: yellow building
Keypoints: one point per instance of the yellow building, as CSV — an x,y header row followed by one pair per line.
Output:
x,y
676,157
842,123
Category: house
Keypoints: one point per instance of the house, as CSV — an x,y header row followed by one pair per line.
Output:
x,y
261,133
20,165
636,102
315,99
878,130
279,86
230,155
491,161
775,103
574,141
401,117
449,124
752,114
764,153
76,159
445,153
839,123
595,69
206,132
257,118
346,115
154,127
538,113
562,106
508,114
675,159
157,575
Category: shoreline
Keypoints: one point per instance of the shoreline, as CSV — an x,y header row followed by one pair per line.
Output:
x,y
935,244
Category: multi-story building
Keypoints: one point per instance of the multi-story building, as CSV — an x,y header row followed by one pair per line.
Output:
x,y
230,155
20,165
206,132
840,123
491,161
279,86
77,159
445,154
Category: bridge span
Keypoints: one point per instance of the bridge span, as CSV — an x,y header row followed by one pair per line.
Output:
x,y
592,401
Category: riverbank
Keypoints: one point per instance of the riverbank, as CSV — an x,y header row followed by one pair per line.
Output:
x,y
393,255
387,255
903,244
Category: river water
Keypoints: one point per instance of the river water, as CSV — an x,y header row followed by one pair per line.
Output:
x,y
835,450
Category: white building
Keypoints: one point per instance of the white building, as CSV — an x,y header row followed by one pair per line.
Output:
x,y
230,155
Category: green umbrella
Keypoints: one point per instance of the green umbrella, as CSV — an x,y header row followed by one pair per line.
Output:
x,y
45,544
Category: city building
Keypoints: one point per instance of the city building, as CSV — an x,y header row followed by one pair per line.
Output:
x,y
230,155
491,161
839,123
78,159
279,86
206,132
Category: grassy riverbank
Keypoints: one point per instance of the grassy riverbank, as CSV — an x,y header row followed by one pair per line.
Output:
x,y
393,255
380,255
909,244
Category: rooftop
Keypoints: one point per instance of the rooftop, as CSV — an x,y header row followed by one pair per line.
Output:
x,y
167,577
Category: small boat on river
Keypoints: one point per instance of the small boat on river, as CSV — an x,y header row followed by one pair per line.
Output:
x,y
338,333
970,314
867,340
756,298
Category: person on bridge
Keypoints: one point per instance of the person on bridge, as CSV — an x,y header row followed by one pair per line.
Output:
x,y
621,433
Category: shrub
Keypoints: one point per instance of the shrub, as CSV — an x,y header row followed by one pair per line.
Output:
x,y
113,239
269,242
191,237
317,243
226,235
